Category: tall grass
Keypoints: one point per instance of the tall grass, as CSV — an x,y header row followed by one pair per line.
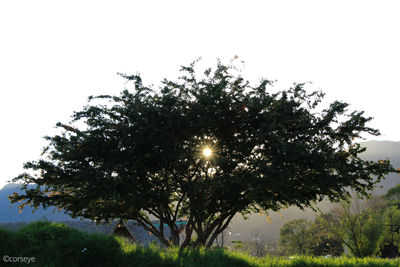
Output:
x,y
57,245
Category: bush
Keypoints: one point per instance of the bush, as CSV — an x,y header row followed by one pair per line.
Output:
x,y
57,245
6,241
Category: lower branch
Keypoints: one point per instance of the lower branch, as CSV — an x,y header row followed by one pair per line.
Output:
x,y
150,227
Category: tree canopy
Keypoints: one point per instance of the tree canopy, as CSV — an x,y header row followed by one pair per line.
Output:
x,y
200,149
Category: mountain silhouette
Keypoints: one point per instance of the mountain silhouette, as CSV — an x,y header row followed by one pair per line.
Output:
x,y
11,213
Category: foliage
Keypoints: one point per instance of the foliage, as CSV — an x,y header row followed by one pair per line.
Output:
x,y
358,225
140,154
7,239
390,238
303,237
294,236
393,196
321,240
56,245
368,227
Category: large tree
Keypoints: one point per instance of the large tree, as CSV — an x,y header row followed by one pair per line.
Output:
x,y
201,149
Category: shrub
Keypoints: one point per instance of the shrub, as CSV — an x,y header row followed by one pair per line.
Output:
x,y
6,241
58,245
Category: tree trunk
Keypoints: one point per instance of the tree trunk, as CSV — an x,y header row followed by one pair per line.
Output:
x,y
188,233
175,239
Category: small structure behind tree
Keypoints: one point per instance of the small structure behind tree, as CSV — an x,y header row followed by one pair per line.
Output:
x,y
121,229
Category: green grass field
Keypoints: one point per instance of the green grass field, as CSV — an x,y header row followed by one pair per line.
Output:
x,y
57,245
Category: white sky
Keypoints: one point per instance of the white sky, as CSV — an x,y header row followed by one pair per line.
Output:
x,y
53,54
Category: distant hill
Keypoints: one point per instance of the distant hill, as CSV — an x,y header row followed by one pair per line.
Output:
x,y
10,212
377,150
239,229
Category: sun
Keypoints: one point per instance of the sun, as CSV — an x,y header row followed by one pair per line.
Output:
x,y
207,152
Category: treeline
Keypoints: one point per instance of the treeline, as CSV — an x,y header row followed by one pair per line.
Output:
x,y
359,227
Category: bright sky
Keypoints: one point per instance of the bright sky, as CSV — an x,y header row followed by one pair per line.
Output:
x,y
54,54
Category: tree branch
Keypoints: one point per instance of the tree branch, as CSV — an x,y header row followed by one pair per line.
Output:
x,y
221,227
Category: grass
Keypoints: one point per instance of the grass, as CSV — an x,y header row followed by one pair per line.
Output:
x,y
57,245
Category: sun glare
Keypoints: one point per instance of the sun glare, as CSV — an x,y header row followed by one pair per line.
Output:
x,y
207,152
